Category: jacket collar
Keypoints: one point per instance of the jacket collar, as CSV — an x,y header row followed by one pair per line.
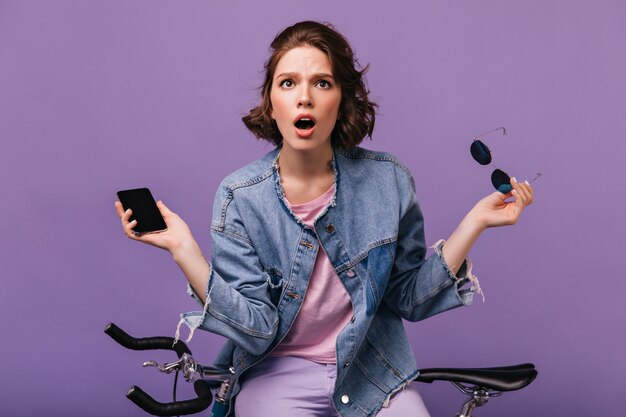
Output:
x,y
281,194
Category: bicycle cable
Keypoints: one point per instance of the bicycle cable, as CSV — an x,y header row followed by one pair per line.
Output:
x,y
175,385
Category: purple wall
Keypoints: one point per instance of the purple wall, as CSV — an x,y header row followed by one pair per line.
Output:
x,y
97,96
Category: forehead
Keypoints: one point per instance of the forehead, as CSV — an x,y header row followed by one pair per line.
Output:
x,y
303,59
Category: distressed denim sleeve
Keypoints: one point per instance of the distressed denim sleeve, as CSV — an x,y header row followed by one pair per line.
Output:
x,y
194,296
237,305
421,287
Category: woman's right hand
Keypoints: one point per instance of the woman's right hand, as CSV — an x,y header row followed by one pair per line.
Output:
x,y
175,237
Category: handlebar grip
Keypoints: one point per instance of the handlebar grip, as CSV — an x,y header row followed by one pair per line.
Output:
x,y
145,343
150,405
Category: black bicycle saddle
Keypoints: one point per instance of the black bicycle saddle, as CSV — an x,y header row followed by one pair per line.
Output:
x,y
503,378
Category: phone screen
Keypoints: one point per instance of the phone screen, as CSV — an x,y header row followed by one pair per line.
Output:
x,y
144,208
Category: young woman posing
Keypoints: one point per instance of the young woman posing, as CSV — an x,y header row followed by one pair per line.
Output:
x,y
318,248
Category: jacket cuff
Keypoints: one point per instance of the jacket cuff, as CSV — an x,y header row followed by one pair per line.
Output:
x,y
463,275
194,319
192,293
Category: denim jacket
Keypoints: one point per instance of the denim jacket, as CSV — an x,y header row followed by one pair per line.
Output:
x,y
373,234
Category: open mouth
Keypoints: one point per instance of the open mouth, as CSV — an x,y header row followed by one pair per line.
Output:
x,y
304,124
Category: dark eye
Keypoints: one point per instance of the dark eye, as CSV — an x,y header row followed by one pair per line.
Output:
x,y
324,84
286,83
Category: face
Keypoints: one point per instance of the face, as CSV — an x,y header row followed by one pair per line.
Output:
x,y
305,99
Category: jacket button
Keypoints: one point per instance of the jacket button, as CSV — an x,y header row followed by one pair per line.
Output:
x,y
350,273
346,365
330,228
345,399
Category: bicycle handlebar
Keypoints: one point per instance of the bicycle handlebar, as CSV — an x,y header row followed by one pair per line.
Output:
x,y
145,343
140,397
150,405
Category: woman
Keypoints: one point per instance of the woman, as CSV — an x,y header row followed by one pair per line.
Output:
x,y
318,248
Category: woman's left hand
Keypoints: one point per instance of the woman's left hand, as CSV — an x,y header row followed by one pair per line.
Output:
x,y
491,211
494,210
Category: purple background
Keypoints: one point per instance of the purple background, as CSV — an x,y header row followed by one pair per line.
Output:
x,y
97,96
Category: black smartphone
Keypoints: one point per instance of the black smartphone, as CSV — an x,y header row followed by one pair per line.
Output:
x,y
145,210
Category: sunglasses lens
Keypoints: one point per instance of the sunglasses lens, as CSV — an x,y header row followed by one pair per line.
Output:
x,y
501,181
480,152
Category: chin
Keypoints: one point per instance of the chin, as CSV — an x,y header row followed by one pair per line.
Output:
x,y
307,144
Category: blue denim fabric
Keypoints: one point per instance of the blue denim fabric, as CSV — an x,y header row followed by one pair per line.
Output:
x,y
374,236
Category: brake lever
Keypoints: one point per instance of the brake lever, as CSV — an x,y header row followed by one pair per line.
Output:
x,y
191,371
167,368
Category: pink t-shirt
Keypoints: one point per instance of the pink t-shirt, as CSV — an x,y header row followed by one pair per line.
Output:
x,y
326,308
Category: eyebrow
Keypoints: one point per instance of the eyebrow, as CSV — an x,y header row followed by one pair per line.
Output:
x,y
296,75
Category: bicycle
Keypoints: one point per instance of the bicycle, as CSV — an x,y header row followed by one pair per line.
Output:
x,y
480,384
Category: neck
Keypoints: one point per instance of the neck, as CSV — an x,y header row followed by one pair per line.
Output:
x,y
305,165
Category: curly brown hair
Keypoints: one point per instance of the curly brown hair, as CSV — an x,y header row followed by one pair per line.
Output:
x,y
357,112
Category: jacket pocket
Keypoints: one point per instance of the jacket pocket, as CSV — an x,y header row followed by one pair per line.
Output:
x,y
275,284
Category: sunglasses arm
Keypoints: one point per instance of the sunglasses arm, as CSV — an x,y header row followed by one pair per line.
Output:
x,y
492,130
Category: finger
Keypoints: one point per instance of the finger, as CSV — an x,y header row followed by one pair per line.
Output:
x,y
126,216
530,191
129,225
519,202
527,193
523,192
128,230
501,196
119,209
520,195
163,209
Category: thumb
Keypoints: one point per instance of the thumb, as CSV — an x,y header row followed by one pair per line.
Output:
x,y
503,196
497,196
163,208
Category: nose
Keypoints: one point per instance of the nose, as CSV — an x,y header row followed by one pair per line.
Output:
x,y
305,99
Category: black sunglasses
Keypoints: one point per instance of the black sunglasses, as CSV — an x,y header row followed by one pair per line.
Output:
x,y
481,154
